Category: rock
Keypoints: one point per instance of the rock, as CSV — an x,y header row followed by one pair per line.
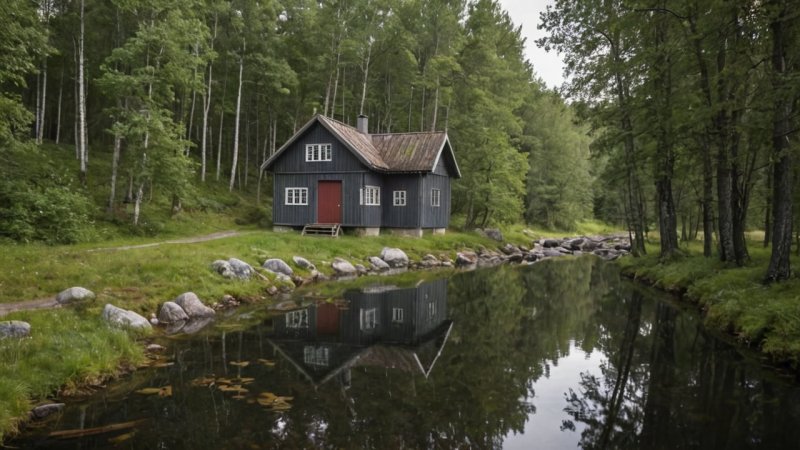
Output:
x,y
589,245
223,268
171,312
429,261
195,325
516,258
466,258
378,264
287,305
551,243
360,269
14,329
153,348
575,244
394,257
153,320
175,328
509,249
318,276
123,318
241,270
74,294
278,266
299,261
343,267
493,233
42,411
552,252
272,290
447,263
563,250
192,305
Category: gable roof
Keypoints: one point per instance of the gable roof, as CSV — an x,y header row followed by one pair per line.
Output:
x,y
388,152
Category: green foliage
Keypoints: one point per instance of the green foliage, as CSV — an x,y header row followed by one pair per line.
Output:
x,y
66,349
733,299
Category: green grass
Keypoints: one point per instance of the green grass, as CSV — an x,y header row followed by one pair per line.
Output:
x,y
733,299
67,348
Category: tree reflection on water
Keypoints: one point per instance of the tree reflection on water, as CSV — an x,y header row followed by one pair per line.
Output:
x,y
457,368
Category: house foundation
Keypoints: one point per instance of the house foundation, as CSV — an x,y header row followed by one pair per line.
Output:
x,y
367,231
438,231
281,229
408,232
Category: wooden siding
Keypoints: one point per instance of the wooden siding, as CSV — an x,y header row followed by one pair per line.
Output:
x,y
402,216
295,215
435,217
293,160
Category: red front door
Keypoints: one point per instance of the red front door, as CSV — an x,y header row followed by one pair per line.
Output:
x,y
329,202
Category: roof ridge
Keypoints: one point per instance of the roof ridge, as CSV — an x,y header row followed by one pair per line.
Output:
x,y
337,121
408,132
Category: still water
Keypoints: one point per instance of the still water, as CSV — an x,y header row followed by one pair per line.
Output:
x,y
562,354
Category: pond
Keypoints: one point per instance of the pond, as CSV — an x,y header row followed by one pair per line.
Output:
x,y
561,354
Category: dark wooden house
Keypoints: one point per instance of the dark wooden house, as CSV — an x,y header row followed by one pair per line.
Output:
x,y
332,173
403,329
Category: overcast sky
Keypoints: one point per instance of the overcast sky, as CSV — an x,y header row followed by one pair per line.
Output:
x,y
548,66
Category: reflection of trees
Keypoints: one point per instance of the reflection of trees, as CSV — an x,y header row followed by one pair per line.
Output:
x,y
602,405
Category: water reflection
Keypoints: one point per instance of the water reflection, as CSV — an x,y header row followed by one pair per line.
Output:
x,y
564,354
382,326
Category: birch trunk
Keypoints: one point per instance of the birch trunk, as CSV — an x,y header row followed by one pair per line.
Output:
x,y
82,101
236,124
58,115
43,104
206,109
365,69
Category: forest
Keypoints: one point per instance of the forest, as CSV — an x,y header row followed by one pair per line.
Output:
x,y
678,120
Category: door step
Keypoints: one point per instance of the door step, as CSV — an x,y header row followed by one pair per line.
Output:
x,y
322,229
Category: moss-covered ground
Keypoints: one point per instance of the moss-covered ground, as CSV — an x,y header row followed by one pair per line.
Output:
x,y
734,300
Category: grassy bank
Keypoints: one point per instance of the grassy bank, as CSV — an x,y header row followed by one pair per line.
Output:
x,y
733,299
72,346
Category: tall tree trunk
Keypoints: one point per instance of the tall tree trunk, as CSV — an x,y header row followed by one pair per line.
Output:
x,y
768,209
236,123
82,101
43,104
708,201
435,105
779,263
206,109
58,114
365,70
115,165
221,119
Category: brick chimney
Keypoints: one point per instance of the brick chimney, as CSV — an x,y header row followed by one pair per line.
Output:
x,y
362,124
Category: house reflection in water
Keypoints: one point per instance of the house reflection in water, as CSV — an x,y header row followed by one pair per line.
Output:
x,y
382,326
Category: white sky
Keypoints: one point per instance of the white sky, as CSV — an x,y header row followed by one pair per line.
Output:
x,y
548,66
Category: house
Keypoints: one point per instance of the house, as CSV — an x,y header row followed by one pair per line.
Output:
x,y
402,329
332,173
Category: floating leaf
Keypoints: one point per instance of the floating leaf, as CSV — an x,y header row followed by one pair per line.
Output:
x,y
165,391
203,381
224,381
244,380
240,363
121,438
266,362
234,388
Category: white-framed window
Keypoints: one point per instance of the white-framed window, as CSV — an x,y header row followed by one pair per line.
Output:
x,y
316,356
397,315
436,197
318,152
368,319
371,196
431,310
297,319
399,198
296,196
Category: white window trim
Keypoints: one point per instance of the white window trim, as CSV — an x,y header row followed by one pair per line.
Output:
x,y
436,198
319,152
376,198
399,198
316,356
397,315
368,319
291,194
297,319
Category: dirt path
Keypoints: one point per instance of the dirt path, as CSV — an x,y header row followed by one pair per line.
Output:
x,y
50,302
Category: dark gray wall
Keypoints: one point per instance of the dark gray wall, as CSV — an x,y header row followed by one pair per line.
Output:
x,y
401,216
352,212
435,217
293,160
